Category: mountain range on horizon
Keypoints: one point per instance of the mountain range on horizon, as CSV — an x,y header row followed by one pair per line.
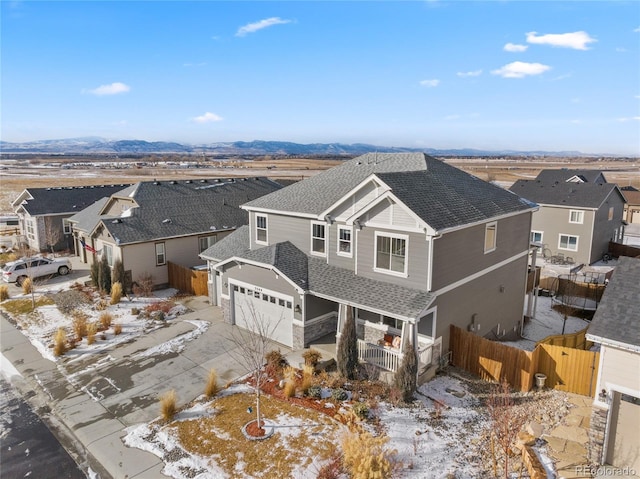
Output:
x,y
97,145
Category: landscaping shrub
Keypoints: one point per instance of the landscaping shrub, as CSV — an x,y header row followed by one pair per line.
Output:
x,y
106,319
4,292
333,469
405,377
361,410
116,292
314,391
144,285
79,323
276,360
365,456
95,272
165,306
60,342
104,275
117,329
101,305
92,329
311,357
347,355
211,388
67,301
117,274
289,388
27,286
307,378
135,311
339,394
168,405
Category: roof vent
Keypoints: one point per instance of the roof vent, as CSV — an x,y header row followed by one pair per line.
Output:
x,y
244,179
166,221
117,221
217,180
213,228
203,181
156,182
188,182
172,182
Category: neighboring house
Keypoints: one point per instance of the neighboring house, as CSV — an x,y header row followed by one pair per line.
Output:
x,y
579,213
615,419
632,206
151,223
43,213
411,244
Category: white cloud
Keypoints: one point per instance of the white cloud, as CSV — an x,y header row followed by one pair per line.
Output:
x,y
637,30
201,64
576,122
621,49
575,40
208,117
633,118
521,70
637,97
512,47
430,83
576,100
474,73
111,89
254,27
452,117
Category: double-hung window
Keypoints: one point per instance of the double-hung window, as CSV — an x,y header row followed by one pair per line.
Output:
x,y
576,216
391,253
161,257
344,240
108,251
66,227
261,229
318,239
536,236
568,242
206,242
490,231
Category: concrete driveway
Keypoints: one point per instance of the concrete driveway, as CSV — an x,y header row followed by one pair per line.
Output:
x,y
96,398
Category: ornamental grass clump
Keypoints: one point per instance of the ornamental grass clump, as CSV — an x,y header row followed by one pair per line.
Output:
x,y
79,324
106,319
60,342
168,405
117,329
211,387
366,457
4,292
27,286
92,329
116,293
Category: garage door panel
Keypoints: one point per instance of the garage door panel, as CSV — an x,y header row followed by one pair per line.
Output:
x,y
256,309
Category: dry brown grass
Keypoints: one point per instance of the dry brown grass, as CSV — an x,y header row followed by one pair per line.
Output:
x,y
106,319
366,457
60,342
220,436
79,324
92,329
116,293
117,329
168,405
289,388
27,286
211,387
4,292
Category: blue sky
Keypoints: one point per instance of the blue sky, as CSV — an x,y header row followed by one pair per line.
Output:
x,y
439,74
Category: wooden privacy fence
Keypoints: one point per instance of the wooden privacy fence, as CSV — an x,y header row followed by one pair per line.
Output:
x,y
566,369
618,249
576,340
187,280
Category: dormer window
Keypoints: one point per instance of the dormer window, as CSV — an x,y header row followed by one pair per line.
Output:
x,y
261,229
344,240
318,239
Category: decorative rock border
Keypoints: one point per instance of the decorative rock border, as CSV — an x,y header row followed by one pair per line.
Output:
x,y
267,433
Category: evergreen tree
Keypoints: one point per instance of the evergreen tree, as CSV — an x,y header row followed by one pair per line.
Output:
x,y
347,357
95,272
118,275
406,375
104,275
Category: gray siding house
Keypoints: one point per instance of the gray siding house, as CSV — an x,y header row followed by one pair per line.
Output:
x,y
579,213
615,419
152,223
43,213
410,244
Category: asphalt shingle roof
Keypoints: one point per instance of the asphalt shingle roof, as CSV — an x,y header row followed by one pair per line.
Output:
x,y
181,208
618,315
561,175
52,201
87,219
579,195
317,277
442,195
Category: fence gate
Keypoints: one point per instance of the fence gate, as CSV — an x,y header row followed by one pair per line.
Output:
x,y
187,280
568,369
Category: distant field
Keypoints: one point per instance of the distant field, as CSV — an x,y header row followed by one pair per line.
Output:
x,y
15,177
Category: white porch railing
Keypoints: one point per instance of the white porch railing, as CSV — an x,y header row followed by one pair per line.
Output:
x,y
380,356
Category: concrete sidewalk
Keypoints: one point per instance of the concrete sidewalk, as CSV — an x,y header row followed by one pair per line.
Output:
x,y
94,401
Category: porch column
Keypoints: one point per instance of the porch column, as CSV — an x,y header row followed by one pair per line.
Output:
x,y
409,334
342,310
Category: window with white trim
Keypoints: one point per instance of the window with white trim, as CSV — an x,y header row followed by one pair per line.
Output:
x,y
490,233
344,240
30,229
610,216
318,239
391,253
66,227
161,257
576,217
568,242
536,236
206,242
261,229
108,252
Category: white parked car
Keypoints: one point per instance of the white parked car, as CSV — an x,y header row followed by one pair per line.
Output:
x,y
35,267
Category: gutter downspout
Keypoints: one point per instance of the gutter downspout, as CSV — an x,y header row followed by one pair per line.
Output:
x,y
431,240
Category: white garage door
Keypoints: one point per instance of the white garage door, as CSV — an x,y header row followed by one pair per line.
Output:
x,y
274,310
626,442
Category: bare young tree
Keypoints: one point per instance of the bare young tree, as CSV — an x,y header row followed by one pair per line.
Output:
x,y
507,419
52,234
251,344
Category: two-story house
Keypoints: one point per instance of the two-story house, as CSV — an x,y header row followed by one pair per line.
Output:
x,y
43,213
152,223
579,213
410,243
